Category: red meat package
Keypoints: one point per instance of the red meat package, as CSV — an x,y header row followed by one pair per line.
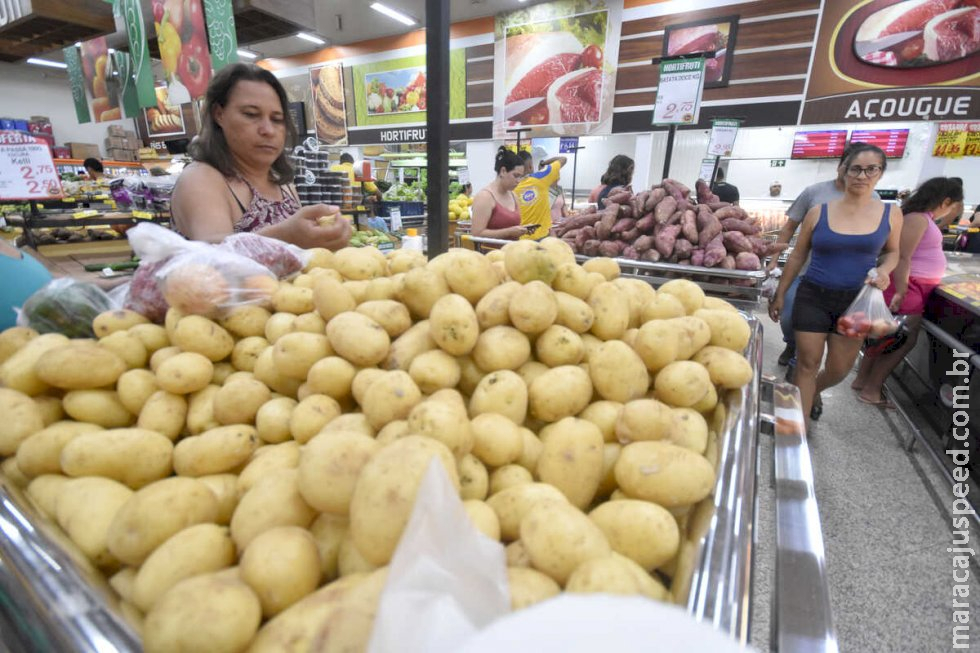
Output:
x,y
867,316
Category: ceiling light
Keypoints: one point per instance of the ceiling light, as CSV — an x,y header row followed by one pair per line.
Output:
x,y
311,38
247,54
391,13
47,62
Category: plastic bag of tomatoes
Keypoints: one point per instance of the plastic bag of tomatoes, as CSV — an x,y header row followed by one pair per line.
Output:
x,y
867,316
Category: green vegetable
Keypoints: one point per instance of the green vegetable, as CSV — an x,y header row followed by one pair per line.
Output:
x,y
66,306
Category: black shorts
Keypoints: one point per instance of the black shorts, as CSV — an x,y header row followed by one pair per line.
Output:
x,y
817,309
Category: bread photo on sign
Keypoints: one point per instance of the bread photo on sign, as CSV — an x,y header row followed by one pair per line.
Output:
x,y
331,118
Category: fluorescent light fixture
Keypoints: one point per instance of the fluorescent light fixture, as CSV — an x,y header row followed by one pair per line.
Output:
x,y
47,62
391,13
311,38
247,54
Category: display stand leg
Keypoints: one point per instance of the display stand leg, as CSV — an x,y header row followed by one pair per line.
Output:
x,y
714,171
29,225
437,123
575,170
670,150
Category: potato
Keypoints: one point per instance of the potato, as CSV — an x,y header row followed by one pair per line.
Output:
x,y
391,397
381,289
391,315
273,501
572,279
135,457
529,586
728,328
19,373
44,491
122,582
216,451
278,325
483,518
453,325
219,614
265,371
200,410
715,303
223,486
358,338
532,450
533,307
509,476
203,336
118,320
282,566
496,439
471,275
617,372
295,353
423,288
292,299
642,531
657,344
530,371
80,365
311,415
574,313
318,257
13,339
605,266
40,453
415,341
246,321
331,298
134,387
611,306
664,473
360,263
85,509
445,422
607,484
156,512
16,477
197,550
502,392
501,348
100,407
331,376
560,251
338,457
264,461
160,355
727,369
639,293
239,402
517,556
328,532
310,322
473,478
385,493
559,537
644,419
559,345
560,392
492,309
571,459
272,419
615,574
662,307
21,419
682,384
350,560
349,422
470,375
434,370
185,373
128,347
688,429
708,403
604,415
688,292
528,261
164,413
692,334
514,503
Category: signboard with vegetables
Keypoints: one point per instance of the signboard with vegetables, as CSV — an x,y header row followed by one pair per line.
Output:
x,y
184,51
95,69
394,91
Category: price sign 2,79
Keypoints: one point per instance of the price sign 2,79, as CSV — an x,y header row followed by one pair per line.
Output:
x,y
27,171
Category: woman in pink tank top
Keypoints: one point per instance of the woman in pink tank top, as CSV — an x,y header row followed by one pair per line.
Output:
x,y
920,268
495,211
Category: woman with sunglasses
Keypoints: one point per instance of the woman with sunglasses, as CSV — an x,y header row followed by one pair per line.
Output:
x,y
921,266
846,238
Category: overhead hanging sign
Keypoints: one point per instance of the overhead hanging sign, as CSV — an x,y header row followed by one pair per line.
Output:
x,y
679,92
723,133
951,140
184,52
27,171
567,144
128,97
77,81
132,12
222,40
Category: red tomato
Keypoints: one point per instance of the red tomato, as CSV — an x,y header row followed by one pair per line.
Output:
x,y
592,57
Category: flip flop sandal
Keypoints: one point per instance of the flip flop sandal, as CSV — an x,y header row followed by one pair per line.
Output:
x,y
882,403
817,410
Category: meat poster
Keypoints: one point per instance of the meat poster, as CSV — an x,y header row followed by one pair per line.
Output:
x,y
555,68
887,60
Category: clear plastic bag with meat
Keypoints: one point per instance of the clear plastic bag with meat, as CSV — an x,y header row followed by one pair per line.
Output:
x,y
868,315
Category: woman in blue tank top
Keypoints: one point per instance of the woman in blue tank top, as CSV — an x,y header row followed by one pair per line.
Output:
x,y
847,239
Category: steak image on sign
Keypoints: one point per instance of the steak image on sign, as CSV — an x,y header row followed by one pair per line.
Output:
x,y
715,35
918,33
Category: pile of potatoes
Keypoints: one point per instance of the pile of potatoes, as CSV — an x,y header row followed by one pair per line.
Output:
x,y
243,483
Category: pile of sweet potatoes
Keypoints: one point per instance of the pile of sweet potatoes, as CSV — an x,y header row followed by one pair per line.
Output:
x,y
664,224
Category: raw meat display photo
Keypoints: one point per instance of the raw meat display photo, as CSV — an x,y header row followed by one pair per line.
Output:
x,y
919,33
707,36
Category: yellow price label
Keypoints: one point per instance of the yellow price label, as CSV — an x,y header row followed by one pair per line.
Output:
x,y
101,197
91,213
111,204
143,215
67,199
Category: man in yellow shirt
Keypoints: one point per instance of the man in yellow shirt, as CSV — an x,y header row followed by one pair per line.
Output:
x,y
347,165
533,198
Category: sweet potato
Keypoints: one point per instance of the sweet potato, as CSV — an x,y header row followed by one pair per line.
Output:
x,y
697,256
664,242
736,242
734,224
708,226
643,244
675,218
591,248
581,237
714,206
651,255
590,230
609,217
656,196
759,246
631,253
747,261
646,223
714,252
642,198
689,225
625,211
682,249
611,248
637,207
610,207
665,209
630,236
603,231
684,205
577,222
728,263
591,208
676,189
624,224
619,195
705,196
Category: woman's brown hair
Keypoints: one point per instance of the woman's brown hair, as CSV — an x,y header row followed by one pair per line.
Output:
x,y
210,145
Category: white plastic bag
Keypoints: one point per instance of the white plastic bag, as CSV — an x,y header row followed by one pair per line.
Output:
x,y
446,580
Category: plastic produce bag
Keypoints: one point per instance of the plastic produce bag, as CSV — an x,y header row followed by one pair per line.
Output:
x,y
446,580
771,283
868,315
283,259
65,306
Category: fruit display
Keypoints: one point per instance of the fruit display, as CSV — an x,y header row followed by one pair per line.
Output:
x,y
662,224
244,480
369,237
402,192
459,208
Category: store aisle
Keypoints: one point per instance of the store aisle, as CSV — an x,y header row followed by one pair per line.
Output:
x,y
885,515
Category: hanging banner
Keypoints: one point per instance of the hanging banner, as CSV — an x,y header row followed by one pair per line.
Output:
x,y
26,169
723,133
951,140
184,51
328,104
95,68
128,97
132,12
882,60
679,92
221,33
77,81
555,68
